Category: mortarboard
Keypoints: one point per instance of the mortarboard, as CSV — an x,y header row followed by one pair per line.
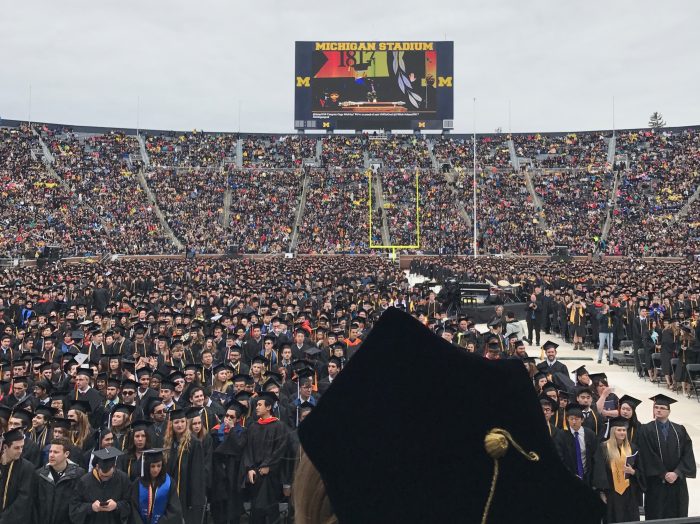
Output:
x,y
124,408
581,371
619,422
574,410
13,435
549,344
177,413
47,411
662,400
60,422
106,458
633,402
459,466
80,405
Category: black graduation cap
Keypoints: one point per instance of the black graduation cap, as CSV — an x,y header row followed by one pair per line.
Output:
x,y
81,405
114,383
5,412
549,344
313,350
545,399
599,377
619,422
47,411
377,471
193,412
238,407
22,414
494,323
124,408
105,458
85,371
13,435
581,371
60,422
574,409
662,400
269,396
259,359
633,402
584,389
178,413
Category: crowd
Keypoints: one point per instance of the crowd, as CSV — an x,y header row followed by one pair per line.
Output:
x,y
196,149
264,205
100,207
191,377
661,174
193,204
572,150
507,218
100,172
336,215
277,151
578,226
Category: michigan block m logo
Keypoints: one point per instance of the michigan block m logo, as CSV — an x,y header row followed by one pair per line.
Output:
x,y
305,81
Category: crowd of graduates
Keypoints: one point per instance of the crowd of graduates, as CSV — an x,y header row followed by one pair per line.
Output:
x,y
176,388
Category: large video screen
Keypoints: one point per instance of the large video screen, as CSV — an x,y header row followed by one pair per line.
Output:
x,y
374,85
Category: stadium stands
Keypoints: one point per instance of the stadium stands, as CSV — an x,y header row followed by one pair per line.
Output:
x,y
84,189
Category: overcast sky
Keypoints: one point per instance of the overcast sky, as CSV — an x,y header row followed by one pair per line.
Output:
x,y
192,63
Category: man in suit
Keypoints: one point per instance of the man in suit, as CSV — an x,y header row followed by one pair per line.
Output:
x,y
641,342
577,445
551,365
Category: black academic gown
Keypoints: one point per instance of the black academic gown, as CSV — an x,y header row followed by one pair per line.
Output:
x,y
265,447
187,473
660,456
173,510
130,465
90,489
20,481
566,447
620,507
31,452
225,494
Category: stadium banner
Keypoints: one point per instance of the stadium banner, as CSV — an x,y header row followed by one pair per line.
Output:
x,y
374,85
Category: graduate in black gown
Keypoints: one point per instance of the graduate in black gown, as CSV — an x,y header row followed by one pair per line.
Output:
x,y
667,454
185,465
266,444
228,439
154,497
628,410
139,441
102,496
17,480
618,480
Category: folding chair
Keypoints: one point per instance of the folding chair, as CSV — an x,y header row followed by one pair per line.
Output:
x,y
694,377
656,362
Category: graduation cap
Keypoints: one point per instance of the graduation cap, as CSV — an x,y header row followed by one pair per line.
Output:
x,y
177,413
60,422
619,422
85,371
599,377
140,425
81,405
151,456
494,323
259,359
584,389
461,463
106,458
237,407
269,396
547,400
549,344
581,371
22,414
5,412
662,400
574,410
549,386
631,401
13,435
313,350
47,411
123,408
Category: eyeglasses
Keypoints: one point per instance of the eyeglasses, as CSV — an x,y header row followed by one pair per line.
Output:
x,y
128,392
159,412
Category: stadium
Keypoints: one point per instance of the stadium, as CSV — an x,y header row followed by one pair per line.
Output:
x,y
367,312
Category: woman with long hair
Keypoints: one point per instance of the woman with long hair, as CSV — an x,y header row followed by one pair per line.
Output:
x,y
80,432
139,441
154,497
200,432
222,387
617,475
184,457
628,411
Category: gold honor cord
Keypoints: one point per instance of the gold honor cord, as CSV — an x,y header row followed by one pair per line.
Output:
x,y
496,442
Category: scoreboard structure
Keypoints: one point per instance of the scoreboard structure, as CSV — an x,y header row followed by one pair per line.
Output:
x,y
374,85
